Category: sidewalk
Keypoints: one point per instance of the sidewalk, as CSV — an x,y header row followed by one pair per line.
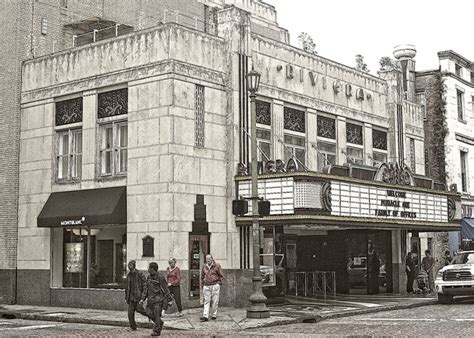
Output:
x,y
296,310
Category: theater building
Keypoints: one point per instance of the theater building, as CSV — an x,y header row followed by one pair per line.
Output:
x,y
134,147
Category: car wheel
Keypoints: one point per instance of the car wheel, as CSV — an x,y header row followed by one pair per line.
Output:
x,y
444,299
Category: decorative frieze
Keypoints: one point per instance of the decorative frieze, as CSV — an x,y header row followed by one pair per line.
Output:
x,y
263,112
113,103
294,120
69,111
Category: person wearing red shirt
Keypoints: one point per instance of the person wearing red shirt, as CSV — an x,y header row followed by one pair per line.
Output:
x,y
173,277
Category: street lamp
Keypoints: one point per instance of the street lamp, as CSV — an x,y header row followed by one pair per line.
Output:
x,y
257,308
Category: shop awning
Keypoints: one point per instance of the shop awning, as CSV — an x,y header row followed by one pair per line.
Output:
x,y
467,229
85,208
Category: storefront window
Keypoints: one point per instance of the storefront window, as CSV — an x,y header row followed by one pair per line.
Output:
x,y
94,258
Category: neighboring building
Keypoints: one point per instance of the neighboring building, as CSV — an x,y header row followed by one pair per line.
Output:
x,y
457,75
130,148
32,29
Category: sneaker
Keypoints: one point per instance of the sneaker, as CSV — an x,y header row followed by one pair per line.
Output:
x,y
214,317
179,314
203,319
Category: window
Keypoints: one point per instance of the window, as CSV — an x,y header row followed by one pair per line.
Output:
x,y
68,119
294,120
69,154
326,154
113,148
412,155
106,259
421,100
355,155
458,70
264,145
472,77
379,146
460,99
464,182
355,143
295,148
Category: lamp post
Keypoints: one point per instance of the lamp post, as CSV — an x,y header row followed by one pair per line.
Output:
x,y
257,308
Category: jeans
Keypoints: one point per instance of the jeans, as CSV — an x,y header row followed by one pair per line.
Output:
x,y
132,308
176,292
211,295
153,311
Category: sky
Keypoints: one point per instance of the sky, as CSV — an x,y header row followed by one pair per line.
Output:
x,y
343,28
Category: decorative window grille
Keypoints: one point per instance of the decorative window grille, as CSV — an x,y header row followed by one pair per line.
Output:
x,y
263,112
412,155
113,103
326,127
421,100
69,111
69,155
113,148
379,139
354,134
148,246
199,119
294,120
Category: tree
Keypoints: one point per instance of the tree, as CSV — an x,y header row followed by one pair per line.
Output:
x,y
387,63
306,43
360,64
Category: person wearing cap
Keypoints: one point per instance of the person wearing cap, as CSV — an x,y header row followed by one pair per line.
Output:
x,y
173,278
133,293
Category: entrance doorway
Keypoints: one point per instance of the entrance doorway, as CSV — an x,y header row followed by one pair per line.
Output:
x,y
369,262
198,249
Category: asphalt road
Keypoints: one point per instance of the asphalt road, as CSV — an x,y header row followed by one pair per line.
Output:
x,y
436,320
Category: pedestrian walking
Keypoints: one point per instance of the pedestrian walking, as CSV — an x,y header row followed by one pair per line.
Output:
x,y
427,264
373,270
173,278
156,294
211,281
133,293
410,270
447,258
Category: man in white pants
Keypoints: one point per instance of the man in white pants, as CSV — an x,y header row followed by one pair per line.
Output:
x,y
211,280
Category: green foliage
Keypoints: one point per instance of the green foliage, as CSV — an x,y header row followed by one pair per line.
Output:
x,y
360,64
306,43
440,128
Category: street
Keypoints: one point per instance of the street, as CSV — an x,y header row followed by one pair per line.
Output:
x,y
435,320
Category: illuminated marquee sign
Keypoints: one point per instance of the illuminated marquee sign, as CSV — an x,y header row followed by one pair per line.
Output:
x,y
356,200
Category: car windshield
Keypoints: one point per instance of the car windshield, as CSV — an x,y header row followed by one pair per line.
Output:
x,y
464,258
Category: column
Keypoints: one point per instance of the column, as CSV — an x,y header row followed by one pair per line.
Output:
x,y
278,130
341,140
368,146
311,142
89,135
398,266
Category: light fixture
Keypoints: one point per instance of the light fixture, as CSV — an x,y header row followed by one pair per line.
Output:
x,y
253,81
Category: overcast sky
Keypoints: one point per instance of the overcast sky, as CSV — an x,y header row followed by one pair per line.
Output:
x,y
343,28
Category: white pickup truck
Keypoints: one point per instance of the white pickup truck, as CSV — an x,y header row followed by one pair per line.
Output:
x,y
457,278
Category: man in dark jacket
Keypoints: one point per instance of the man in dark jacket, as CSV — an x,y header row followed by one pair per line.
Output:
x,y
157,294
410,269
133,293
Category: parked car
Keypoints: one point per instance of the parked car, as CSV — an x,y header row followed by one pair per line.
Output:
x,y
457,278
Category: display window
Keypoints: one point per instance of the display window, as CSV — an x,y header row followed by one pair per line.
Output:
x,y
90,257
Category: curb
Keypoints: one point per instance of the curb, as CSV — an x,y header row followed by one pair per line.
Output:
x,y
8,314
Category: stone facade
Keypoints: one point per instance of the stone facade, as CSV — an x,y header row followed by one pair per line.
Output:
x,y
187,122
456,73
